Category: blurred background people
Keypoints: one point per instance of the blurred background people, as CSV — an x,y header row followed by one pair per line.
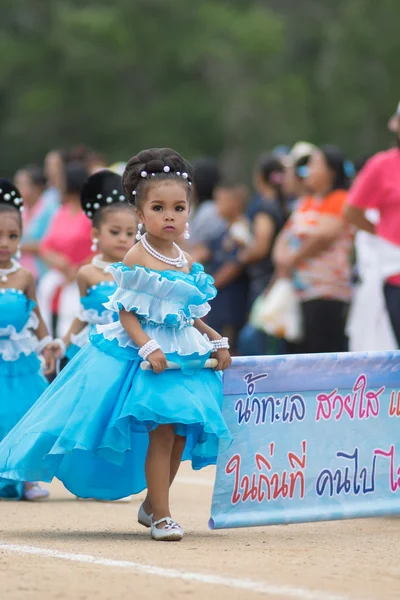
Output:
x,y
54,174
65,247
377,187
206,224
229,309
267,214
36,218
295,163
314,250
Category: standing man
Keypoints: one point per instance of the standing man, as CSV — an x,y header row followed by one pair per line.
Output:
x,y
378,187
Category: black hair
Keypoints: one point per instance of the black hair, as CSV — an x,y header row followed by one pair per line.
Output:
x,y
36,174
206,178
271,171
75,177
154,165
10,200
336,162
101,195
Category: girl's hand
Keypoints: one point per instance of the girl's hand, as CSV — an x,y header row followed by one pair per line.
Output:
x,y
224,359
57,349
49,360
158,361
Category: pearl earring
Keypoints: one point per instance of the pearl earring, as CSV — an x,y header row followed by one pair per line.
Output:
x,y
18,253
93,247
139,232
186,235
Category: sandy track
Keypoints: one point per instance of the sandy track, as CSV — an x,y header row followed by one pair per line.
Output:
x,y
347,559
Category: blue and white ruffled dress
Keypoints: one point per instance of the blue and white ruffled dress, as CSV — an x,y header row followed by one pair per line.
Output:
x,y
90,428
93,312
21,378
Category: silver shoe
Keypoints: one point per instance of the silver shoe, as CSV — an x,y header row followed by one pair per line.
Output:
x,y
171,532
143,518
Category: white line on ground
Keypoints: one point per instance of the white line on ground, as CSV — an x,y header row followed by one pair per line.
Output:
x,y
204,578
195,481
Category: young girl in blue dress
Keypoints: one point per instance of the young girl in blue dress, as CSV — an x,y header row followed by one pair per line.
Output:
x,y
114,224
105,427
23,336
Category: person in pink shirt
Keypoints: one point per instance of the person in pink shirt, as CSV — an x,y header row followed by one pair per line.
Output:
x,y
65,248
378,187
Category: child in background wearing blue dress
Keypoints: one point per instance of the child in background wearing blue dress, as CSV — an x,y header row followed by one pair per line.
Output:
x,y
21,377
113,234
105,427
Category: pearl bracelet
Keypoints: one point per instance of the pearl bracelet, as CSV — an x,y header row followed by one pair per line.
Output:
x,y
41,345
148,348
63,347
222,344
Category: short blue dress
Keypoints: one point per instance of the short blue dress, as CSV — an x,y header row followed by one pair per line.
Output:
x,y
93,312
90,428
21,378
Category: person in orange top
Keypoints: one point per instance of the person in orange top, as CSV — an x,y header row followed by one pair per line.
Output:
x,y
314,250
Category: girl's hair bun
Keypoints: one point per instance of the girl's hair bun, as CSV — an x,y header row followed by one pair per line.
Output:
x,y
10,196
159,163
102,189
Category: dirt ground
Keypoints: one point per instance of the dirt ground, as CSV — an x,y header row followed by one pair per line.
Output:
x,y
67,549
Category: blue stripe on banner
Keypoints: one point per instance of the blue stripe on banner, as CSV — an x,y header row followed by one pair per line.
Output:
x,y
315,437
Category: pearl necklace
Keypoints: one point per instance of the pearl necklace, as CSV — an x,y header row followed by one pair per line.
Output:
x,y
5,272
179,262
99,263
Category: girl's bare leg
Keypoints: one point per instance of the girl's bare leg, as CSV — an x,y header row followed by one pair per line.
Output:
x,y
158,470
176,458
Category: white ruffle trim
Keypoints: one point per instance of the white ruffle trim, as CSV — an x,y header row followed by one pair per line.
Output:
x,y
172,302
91,316
18,342
185,341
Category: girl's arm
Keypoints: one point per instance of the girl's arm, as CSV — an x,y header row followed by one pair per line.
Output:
x,y
77,325
41,330
133,328
223,357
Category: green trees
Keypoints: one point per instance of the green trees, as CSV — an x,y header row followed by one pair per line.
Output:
x,y
226,77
